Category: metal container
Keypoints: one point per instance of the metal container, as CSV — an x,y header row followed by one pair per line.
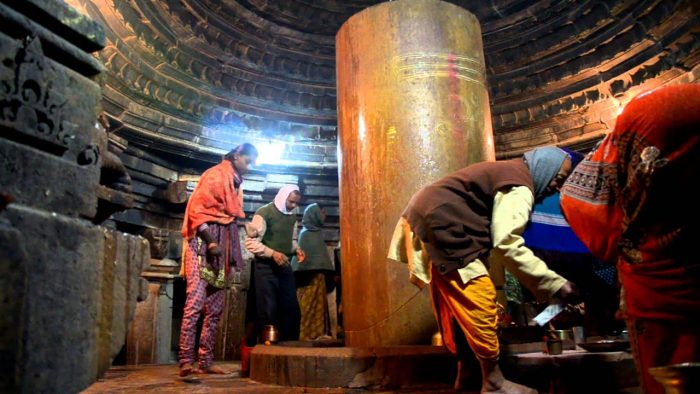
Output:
x,y
562,334
269,333
555,347
579,334
679,378
436,340
624,335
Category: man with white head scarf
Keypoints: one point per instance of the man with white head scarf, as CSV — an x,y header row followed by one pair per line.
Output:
x,y
271,238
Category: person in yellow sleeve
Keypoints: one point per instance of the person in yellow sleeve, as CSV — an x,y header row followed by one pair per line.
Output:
x,y
452,229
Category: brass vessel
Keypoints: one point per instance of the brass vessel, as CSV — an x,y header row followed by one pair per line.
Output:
x,y
678,378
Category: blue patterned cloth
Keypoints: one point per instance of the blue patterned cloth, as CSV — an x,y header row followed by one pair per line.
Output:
x,y
548,230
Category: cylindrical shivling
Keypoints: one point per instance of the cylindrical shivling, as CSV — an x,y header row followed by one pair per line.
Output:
x,y
412,107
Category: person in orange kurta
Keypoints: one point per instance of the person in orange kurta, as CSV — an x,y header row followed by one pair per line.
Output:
x,y
211,246
630,204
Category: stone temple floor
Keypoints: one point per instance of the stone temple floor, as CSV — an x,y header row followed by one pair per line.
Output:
x,y
165,379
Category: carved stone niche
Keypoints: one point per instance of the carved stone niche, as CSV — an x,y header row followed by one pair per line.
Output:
x,y
47,114
158,239
31,106
115,190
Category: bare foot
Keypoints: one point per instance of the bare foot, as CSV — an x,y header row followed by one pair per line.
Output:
x,y
214,370
186,369
467,379
507,387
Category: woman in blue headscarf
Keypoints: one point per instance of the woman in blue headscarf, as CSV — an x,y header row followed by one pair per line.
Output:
x,y
450,228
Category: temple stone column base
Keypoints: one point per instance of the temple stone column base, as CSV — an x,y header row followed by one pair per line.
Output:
x,y
377,368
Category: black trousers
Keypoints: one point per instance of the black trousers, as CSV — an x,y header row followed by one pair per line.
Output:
x,y
276,299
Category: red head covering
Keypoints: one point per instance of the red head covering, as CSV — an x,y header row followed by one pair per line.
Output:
x,y
215,199
629,201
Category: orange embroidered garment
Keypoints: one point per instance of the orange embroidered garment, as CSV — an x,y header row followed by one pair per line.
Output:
x,y
215,199
629,202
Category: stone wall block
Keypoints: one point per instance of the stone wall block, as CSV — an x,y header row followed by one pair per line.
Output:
x,y
13,288
61,302
76,307
37,179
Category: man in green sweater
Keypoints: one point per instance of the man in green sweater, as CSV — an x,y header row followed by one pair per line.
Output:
x,y
271,239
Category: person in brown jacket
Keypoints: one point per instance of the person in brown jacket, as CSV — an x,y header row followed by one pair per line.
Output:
x,y
452,229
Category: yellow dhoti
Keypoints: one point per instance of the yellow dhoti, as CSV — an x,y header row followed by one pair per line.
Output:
x,y
472,305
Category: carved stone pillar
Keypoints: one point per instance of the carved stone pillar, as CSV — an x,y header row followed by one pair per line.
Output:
x,y
412,107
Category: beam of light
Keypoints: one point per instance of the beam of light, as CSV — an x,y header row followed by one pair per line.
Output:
x,y
270,152
621,103
620,108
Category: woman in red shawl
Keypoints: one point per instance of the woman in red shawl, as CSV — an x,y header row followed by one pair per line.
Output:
x,y
629,203
211,246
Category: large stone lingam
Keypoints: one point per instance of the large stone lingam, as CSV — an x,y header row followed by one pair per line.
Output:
x,y
68,286
412,107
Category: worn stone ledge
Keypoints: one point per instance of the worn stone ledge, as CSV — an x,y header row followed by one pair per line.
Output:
x,y
574,371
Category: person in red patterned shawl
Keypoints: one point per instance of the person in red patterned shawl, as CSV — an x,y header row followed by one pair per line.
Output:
x,y
211,246
629,202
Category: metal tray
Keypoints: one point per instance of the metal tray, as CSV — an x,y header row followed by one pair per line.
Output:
x,y
606,345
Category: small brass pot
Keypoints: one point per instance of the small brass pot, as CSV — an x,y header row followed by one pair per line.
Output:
x,y
436,340
554,347
269,333
562,334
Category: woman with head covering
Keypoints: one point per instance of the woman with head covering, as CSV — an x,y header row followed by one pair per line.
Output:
x,y
311,276
271,238
211,245
629,203
551,238
448,230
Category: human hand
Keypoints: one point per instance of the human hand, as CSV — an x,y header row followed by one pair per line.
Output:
x,y
301,256
568,293
576,309
214,250
280,258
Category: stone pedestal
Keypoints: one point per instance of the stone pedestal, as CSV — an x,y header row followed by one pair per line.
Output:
x,y
381,368
412,107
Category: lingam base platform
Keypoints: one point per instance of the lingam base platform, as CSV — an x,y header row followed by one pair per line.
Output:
x,y
378,368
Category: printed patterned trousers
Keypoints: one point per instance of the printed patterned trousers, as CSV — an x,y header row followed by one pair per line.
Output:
x,y
201,297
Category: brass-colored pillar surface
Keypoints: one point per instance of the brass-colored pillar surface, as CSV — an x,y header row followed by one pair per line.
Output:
x,y
412,107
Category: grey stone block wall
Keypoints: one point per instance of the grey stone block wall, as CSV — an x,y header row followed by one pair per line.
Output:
x,y
68,286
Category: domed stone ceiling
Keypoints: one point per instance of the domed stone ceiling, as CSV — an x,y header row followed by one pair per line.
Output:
x,y
196,77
